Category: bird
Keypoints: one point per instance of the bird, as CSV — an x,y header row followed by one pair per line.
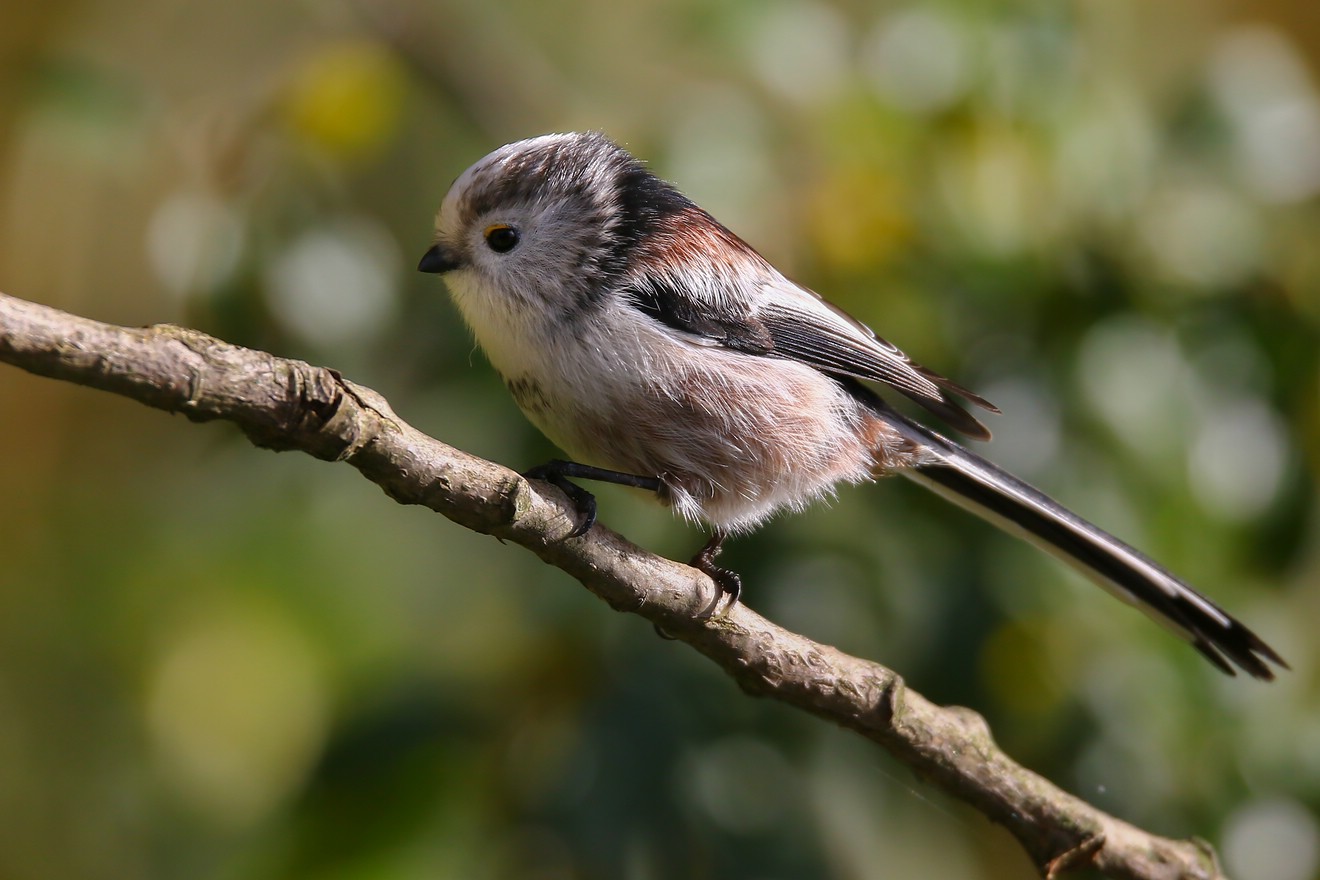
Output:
x,y
659,350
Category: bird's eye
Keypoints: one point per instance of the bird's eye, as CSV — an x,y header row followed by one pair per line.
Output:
x,y
501,238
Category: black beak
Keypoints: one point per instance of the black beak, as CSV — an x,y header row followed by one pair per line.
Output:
x,y
437,261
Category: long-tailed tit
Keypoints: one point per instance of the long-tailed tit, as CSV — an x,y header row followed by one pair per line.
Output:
x,y
661,351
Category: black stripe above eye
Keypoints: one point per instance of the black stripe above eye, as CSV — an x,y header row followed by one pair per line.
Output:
x,y
644,202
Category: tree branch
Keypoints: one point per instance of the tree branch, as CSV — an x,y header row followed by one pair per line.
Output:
x,y
285,404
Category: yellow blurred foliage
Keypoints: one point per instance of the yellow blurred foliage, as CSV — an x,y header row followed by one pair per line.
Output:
x,y
237,709
858,217
346,99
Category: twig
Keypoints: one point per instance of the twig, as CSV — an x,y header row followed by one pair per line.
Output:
x,y
285,404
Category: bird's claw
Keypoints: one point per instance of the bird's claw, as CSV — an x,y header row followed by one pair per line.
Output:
x,y
583,500
728,582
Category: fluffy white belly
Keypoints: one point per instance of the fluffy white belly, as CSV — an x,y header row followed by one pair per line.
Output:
x,y
733,437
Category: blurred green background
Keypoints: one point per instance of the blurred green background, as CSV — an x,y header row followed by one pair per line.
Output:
x,y
216,662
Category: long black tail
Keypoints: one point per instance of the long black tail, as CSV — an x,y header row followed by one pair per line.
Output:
x,y
1001,498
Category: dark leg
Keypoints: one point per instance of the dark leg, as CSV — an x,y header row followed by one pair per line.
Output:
x,y
557,472
728,581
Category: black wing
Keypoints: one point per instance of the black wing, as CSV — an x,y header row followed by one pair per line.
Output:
x,y
795,323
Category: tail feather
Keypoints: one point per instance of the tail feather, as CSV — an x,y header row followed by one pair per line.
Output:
x,y
1001,498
